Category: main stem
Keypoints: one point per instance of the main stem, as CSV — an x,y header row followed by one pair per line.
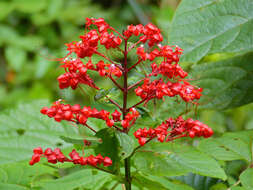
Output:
x,y
124,112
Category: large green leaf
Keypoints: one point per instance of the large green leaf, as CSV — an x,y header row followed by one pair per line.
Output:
x,y
87,178
227,83
231,146
198,182
142,181
166,183
158,164
25,128
161,157
203,27
247,178
22,175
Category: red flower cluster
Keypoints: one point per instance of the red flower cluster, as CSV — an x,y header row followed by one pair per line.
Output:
x,y
75,113
168,70
76,73
86,47
100,23
105,69
54,156
173,129
158,89
152,34
130,118
109,40
165,52
80,115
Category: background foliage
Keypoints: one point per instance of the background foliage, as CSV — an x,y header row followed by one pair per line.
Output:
x,y
217,37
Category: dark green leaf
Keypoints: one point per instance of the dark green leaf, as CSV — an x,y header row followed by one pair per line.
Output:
x,y
231,146
202,27
198,182
168,184
227,83
187,158
142,181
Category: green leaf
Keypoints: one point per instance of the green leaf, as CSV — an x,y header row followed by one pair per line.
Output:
x,y
227,83
157,164
126,144
246,178
202,27
142,181
187,158
86,177
16,57
23,175
25,128
197,182
109,146
231,146
168,184
219,186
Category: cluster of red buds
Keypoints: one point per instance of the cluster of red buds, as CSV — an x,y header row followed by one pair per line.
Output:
x,y
158,89
86,47
105,69
54,156
150,32
76,72
130,118
168,70
166,52
172,129
75,113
